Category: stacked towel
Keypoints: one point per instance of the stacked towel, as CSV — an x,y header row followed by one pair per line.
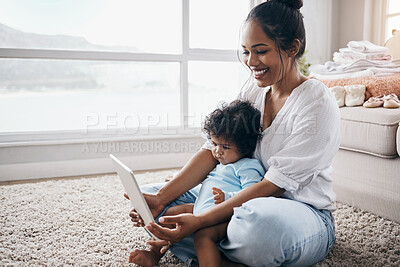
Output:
x,y
361,50
347,55
366,47
358,59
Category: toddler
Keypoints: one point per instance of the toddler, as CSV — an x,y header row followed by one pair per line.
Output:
x,y
233,131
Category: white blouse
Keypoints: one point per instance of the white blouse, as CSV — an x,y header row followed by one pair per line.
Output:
x,y
297,149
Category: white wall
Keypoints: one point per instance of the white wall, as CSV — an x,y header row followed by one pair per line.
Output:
x,y
350,20
331,24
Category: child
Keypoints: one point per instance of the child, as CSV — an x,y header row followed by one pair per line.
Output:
x,y
233,131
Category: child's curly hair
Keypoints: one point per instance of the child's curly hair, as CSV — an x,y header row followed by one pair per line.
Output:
x,y
238,122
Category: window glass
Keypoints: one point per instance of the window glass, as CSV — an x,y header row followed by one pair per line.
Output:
x,y
393,23
393,6
118,25
210,84
56,95
216,24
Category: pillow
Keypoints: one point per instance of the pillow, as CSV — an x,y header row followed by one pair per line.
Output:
x,y
375,86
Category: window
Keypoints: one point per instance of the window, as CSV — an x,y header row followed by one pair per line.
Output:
x,y
82,79
205,96
215,24
126,64
392,17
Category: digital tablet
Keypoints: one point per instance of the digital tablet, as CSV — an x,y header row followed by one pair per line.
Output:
x,y
132,189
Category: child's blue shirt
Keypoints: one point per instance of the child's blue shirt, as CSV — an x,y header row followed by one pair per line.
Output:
x,y
230,178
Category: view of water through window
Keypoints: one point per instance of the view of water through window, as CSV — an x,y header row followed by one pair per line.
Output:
x,y
62,94
69,95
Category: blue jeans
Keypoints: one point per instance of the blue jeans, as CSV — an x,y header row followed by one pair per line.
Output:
x,y
266,231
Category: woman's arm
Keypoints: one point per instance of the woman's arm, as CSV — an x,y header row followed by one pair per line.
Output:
x,y
186,224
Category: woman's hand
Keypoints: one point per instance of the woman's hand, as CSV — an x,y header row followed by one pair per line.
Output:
x,y
184,225
156,207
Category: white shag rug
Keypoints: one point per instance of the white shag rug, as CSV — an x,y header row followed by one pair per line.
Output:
x,y
85,222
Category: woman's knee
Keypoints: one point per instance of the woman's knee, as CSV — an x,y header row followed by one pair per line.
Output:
x,y
269,230
255,229
257,217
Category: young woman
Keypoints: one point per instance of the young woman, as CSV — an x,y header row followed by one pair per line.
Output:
x,y
286,218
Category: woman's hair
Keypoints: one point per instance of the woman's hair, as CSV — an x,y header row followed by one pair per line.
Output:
x,y
282,22
238,122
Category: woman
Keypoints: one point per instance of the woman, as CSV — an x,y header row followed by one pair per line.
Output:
x,y
286,218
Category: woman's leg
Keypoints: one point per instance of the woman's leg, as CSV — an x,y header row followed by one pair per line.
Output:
x,y
278,231
184,249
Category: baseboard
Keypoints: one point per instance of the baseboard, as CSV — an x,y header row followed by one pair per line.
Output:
x,y
50,160
53,169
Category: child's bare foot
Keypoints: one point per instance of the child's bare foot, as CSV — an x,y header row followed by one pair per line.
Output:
x,y
145,258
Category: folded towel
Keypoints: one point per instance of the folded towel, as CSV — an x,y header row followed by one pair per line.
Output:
x,y
344,58
385,71
358,55
369,72
331,67
358,74
362,64
366,47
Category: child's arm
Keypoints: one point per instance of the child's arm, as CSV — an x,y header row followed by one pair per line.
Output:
x,y
250,173
220,196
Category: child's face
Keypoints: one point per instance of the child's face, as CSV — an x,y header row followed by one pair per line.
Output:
x,y
224,151
261,55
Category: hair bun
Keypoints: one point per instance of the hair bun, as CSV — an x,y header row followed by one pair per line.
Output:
x,y
296,4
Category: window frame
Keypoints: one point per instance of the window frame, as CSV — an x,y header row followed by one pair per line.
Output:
x,y
188,54
378,23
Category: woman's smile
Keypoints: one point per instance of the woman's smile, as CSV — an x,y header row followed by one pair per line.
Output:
x,y
259,74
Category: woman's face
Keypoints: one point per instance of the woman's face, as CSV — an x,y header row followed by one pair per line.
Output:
x,y
261,55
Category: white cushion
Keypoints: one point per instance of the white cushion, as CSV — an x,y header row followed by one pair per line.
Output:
x,y
370,130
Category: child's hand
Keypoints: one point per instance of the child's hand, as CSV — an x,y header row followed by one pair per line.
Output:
x,y
219,196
